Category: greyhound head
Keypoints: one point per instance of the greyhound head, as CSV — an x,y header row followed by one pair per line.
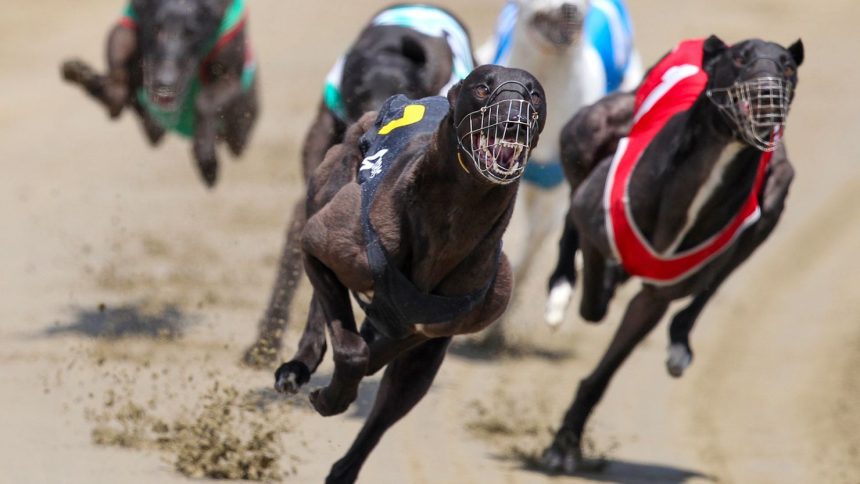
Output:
x,y
498,114
175,37
752,83
389,61
556,24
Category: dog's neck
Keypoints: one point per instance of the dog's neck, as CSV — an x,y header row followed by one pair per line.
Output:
x,y
705,174
453,213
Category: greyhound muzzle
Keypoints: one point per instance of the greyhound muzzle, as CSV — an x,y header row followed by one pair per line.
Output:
x,y
499,137
756,109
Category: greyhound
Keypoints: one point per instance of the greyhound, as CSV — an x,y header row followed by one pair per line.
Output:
x,y
697,184
580,50
408,214
415,50
184,66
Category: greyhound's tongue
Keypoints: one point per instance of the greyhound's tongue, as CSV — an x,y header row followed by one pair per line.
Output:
x,y
505,157
165,100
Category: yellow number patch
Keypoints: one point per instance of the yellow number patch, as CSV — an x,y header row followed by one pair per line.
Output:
x,y
411,115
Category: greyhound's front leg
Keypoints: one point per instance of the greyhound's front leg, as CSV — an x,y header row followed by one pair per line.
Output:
x,y
405,382
113,89
563,278
565,453
351,353
209,107
773,202
680,354
596,290
291,375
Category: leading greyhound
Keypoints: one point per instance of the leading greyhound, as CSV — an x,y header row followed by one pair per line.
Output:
x,y
408,214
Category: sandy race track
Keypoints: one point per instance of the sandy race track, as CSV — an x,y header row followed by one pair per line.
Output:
x,y
129,291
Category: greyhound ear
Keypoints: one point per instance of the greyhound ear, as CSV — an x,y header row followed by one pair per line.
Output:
x,y
413,50
217,7
796,51
713,47
139,5
453,93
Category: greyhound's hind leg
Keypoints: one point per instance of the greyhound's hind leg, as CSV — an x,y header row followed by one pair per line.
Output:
x,y
565,453
404,384
154,132
264,350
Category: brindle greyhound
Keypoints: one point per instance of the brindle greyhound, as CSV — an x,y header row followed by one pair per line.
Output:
x,y
184,66
408,214
405,53
706,191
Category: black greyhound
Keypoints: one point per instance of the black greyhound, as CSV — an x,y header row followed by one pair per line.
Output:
x,y
414,50
699,183
184,66
408,215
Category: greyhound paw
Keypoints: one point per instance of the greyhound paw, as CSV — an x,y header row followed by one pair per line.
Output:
x,y
76,71
557,302
342,472
327,406
567,458
116,97
208,167
678,359
290,376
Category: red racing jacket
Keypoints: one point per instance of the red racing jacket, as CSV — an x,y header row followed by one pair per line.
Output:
x,y
671,87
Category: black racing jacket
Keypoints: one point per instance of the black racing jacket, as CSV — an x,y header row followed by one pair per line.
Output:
x,y
397,304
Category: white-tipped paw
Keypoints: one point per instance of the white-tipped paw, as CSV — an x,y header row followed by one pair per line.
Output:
x,y
678,359
557,302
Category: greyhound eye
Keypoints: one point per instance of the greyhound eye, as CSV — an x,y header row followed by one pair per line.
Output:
x,y
789,70
535,99
740,59
482,91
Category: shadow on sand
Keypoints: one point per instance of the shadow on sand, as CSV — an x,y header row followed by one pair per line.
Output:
x,y
626,472
127,320
476,350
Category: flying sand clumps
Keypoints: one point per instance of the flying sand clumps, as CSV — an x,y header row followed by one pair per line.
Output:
x,y
227,435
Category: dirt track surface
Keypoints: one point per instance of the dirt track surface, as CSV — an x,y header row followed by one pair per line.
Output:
x,y
92,216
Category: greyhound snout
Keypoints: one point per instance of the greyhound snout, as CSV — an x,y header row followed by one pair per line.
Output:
x,y
166,77
569,12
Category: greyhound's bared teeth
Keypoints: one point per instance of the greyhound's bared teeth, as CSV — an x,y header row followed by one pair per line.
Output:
x,y
517,152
